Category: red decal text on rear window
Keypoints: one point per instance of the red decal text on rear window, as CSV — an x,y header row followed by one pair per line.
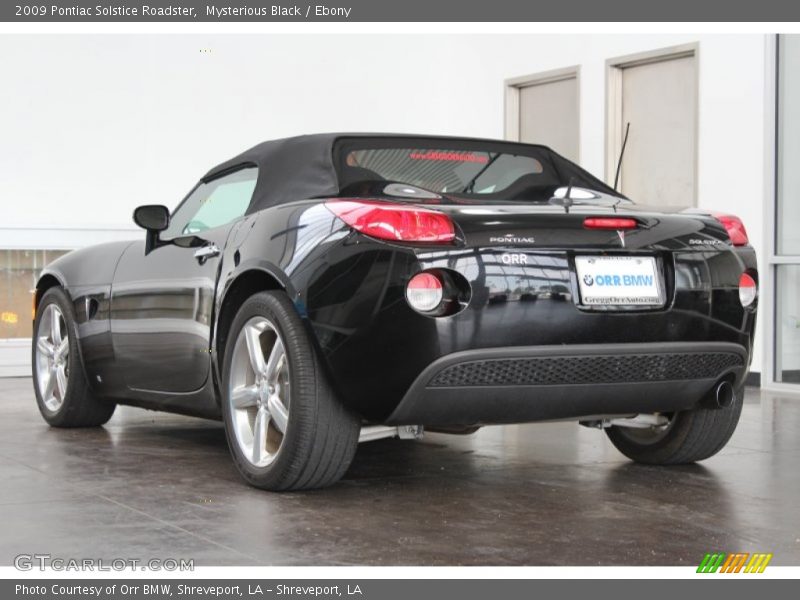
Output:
x,y
449,156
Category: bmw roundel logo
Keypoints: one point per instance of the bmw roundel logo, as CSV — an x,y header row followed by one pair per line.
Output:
x,y
588,279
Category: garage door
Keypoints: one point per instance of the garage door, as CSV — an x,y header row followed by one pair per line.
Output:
x,y
659,100
548,114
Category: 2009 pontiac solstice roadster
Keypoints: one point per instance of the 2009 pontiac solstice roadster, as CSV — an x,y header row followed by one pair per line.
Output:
x,y
320,290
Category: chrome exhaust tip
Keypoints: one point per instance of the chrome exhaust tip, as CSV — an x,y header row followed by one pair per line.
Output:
x,y
724,395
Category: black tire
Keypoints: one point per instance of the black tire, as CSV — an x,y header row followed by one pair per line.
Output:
x,y
79,406
691,436
321,434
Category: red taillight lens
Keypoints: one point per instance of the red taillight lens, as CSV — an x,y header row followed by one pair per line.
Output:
x,y
424,292
609,223
397,222
735,228
748,290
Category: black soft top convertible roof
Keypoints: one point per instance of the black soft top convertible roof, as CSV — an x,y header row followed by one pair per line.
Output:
x,y
304,167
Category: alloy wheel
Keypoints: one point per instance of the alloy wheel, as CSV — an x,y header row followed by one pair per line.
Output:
x,y
52,357
259,391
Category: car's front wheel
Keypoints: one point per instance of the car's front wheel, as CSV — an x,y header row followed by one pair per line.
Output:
x,y
286,429
62,391
686,437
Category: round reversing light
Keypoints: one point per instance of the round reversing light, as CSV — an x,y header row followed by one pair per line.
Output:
x,y
424,292
748,290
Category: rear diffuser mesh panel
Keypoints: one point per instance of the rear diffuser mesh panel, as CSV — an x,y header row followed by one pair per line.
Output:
x,y
564,370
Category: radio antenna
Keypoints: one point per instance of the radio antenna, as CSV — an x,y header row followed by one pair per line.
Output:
x,y
568,195
621,154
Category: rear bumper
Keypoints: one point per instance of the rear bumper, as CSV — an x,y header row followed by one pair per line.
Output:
x,y
535,383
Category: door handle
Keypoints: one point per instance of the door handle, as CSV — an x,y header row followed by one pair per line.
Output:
x,y
206,252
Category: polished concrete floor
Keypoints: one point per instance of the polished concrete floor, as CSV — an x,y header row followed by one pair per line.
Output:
x,y
152,485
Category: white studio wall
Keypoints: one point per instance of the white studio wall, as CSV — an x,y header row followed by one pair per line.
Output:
x,y
93,125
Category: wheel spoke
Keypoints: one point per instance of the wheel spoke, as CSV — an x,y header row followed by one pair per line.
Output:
x,y
61,381
55,326
278,412
276,357
253,337
260,435
244,396
44,347
63,349
49,384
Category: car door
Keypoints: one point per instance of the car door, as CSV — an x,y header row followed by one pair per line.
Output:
x,y
162,301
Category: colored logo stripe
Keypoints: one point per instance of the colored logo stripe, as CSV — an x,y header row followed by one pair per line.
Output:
x,y
711,562
734,563
758,563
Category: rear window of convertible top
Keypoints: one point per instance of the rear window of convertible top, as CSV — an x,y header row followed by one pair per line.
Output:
x,y
468,171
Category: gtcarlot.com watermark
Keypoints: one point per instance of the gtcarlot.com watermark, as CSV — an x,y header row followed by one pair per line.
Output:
x,y
44,562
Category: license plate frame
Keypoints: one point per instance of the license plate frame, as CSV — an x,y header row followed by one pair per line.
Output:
x,y
626,289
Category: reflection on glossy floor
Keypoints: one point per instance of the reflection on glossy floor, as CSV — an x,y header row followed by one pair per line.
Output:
x,y
151,485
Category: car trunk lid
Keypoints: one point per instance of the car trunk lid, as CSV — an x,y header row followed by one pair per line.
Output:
x,y
547,226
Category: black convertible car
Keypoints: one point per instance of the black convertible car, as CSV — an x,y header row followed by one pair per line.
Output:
x,y
318,291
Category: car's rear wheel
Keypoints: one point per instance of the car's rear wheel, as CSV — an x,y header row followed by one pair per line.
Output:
x,y
62,391
687,437
286,429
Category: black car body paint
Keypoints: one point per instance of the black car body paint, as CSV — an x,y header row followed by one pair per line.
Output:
x,y
151,326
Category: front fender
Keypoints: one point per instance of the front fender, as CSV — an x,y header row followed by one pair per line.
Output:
x,y
86,275
94,265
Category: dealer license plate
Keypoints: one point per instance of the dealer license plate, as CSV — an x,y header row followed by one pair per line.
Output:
x,y
618,280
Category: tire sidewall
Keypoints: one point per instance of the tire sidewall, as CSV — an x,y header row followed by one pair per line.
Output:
x,y
676,435
662,451
268,305
58,297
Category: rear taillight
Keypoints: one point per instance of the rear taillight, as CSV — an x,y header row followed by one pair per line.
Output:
x,y
616,223
395,222
735,228
748,290
424,292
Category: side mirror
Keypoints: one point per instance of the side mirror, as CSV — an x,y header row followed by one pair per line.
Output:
x,y
152,217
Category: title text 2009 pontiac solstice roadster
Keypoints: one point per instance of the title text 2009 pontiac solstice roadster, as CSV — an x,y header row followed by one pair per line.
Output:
x,y
320,290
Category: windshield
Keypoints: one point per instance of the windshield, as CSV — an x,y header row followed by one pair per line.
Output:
x,y
511,171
